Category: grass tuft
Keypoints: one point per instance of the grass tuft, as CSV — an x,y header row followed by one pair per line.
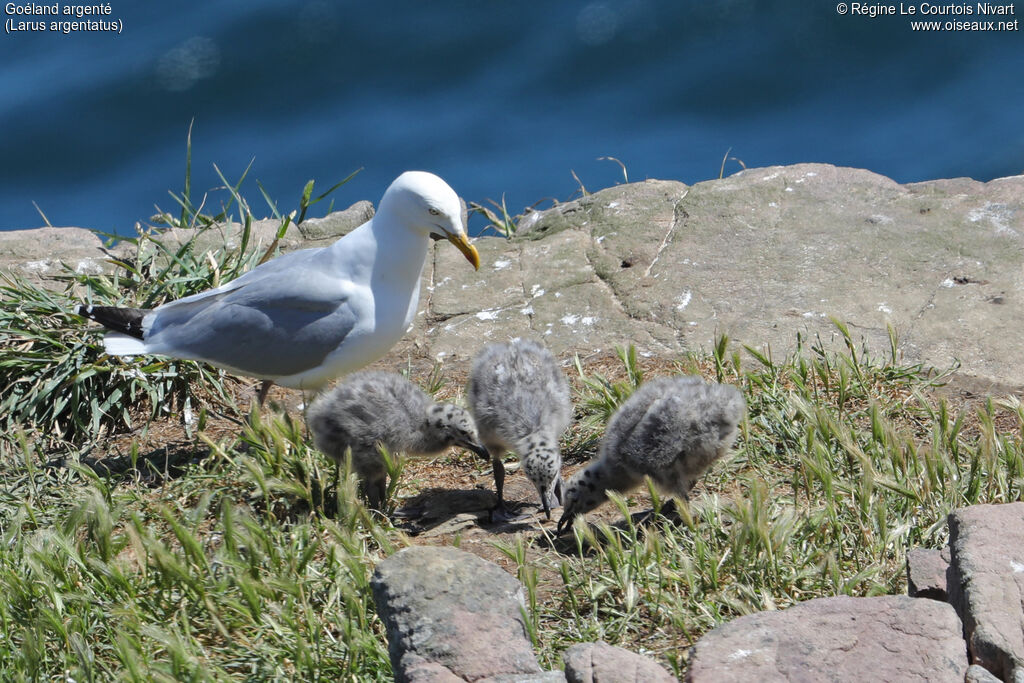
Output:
x,y
57,384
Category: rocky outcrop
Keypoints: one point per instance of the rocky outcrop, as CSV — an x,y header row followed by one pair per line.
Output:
x,y
45,253
761,256
888,638
987,584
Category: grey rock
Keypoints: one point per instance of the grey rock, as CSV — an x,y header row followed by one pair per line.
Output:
x,y
43,253
888,638
543,677
420,670
926,573
986,584
603,663
761,255
979,674
231,236
336,225
456,523
447,607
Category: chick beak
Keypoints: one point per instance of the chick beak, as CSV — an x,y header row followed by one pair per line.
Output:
x,y
462,243
476,448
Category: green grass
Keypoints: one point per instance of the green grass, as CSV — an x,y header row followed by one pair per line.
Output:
x,y
224,573
845,461
245,566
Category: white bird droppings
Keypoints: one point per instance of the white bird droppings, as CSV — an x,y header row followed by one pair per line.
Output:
x,y
684,300
996,214
1017,567
487,315
502,264
884,309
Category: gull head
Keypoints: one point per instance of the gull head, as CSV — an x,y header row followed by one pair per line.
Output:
x,y
583,493
428,204
453,426
542,462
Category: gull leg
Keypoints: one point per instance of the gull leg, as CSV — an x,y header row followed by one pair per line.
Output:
x,y
264,390
500,513
499,487
376,490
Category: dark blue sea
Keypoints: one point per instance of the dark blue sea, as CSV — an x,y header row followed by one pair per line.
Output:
x,y
502,99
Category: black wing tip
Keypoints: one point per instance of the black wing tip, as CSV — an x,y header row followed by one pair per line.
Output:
x,y
125,320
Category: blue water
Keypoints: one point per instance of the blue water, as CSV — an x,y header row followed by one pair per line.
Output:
x,y
500,98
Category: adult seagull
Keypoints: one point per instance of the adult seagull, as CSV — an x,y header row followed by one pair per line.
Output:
x,y
306,317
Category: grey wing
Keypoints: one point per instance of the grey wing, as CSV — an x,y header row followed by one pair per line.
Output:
x,y
292,263
283,322
696,423
656,438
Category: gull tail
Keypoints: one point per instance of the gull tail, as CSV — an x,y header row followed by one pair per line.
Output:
x,y
126,323
118,344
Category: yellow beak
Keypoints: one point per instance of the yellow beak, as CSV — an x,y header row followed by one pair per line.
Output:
x,y
470,252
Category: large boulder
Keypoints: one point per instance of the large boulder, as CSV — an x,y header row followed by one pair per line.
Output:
x,y
449,612
987,584
888,638
762,256
49,252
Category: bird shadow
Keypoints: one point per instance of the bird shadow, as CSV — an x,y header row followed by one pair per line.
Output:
x,y
440,511
640,523
152,468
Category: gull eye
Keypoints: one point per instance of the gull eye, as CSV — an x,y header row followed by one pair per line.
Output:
x,y
434,212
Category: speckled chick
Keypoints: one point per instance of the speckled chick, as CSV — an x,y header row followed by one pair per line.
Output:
x,y
371,409
520,400
670,429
